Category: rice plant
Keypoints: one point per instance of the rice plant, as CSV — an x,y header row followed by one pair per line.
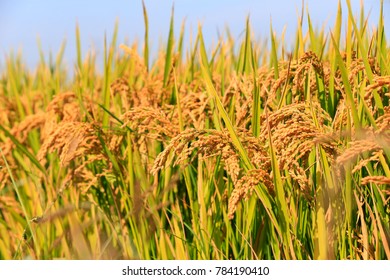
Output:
x,y
241,151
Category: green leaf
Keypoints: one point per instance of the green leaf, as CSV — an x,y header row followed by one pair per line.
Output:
x,y
23,149
169,51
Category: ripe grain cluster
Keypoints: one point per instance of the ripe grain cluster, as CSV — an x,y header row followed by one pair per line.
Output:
x,y
202,153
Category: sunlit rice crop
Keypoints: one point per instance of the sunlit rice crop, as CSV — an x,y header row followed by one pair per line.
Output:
x,y
201,153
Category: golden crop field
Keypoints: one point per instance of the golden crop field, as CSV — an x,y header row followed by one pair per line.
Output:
x,y
240,151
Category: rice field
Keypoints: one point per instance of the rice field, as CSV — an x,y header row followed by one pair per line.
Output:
x,y
243,150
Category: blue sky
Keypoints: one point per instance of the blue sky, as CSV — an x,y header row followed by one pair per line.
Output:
x,y
23,21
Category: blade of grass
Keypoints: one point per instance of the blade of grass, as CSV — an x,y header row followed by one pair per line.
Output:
x,y
169,50
274,53
146,36
364,56
78,50
23,149
22,203
347,85
108,58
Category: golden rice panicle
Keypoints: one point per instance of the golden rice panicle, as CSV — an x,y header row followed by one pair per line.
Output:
x,y
152,122
4,174
368,148
140,67
207,143
176,145
84,177
379,82
71,140
294,134
269,86
383,122
310,59
240,91
374,158
58,104
148,90
379,180
148,93
8,108
195,108
68,107
21,130
292,77
219,143
121,87
256,149
341,117
244,188
356,148
308,62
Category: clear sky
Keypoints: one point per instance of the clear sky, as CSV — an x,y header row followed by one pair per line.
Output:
x,y
23,21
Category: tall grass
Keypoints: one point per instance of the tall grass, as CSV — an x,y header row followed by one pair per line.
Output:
x,y
201,153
